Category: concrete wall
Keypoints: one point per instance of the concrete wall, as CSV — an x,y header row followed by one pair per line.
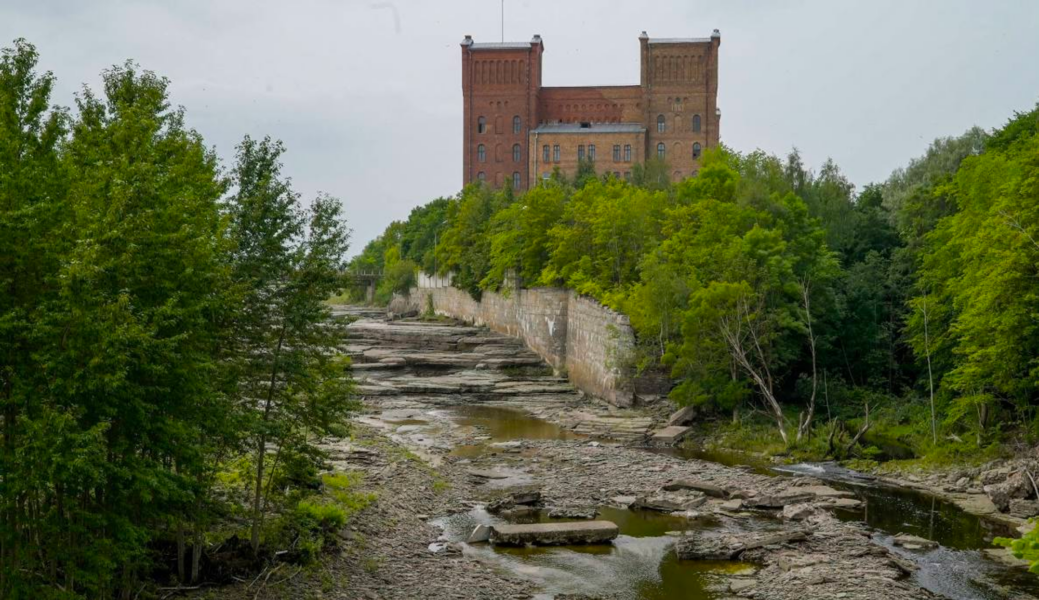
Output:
x,y
588,341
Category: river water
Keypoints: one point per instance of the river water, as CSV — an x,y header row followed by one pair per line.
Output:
x,y
639,566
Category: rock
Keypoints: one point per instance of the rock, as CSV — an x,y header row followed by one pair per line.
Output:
x,y
994,476
962,483
774,502
486,474
481,533
1016,486
825,491
738,585
1005,557
913,542
697,486
527,497
554,534
709,546
732,505
683,416
845,503
669,502
624,501
573,513
669,435
798,512
1024,509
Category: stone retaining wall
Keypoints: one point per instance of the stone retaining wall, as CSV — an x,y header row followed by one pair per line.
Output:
x,y
588,341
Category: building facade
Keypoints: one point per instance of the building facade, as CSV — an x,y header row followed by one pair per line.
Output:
x,y
515,130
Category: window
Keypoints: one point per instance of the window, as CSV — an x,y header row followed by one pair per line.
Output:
x,y
481,153
546,176
661,124
481,125
517,153
580,152
696,150
661,150
591,152
616,153
515,180
555,153
481,176
544,154
627,176
696,123
517,124
627,152
616,175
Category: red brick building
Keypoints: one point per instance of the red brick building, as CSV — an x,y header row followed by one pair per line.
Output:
x,y
516,130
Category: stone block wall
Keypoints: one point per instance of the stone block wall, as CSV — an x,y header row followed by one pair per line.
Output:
x,y
576,335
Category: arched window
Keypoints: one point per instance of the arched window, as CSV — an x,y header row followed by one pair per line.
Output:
x,y
481,125
517,153
517,124
481,153
515,180
696,123
661,124
696,150
481,176
661,150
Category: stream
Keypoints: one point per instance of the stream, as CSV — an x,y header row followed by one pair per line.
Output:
x,y
639,564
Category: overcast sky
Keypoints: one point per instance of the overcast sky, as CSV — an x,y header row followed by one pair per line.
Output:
x,y
367,94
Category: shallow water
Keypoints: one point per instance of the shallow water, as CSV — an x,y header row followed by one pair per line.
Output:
x,y
638,565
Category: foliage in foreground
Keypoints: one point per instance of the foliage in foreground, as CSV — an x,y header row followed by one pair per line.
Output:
x,y
153,331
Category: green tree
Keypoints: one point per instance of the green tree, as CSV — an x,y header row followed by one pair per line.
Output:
x,y
287,261
132,337
33,204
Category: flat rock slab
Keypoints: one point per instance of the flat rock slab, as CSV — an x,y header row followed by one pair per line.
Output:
x,y
707,489
555,534
825,491
913,542
669,435
487,474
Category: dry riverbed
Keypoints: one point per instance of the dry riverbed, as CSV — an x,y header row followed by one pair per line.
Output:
x,y
464,428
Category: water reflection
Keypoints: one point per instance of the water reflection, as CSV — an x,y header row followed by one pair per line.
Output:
x,y
638,565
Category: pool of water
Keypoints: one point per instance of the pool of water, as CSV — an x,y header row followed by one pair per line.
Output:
x,y
638,565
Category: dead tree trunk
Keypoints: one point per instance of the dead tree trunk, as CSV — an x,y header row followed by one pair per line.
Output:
x,y
743,338
805,418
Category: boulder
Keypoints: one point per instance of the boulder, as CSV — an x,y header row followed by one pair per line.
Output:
x,y
1016,486
554,534
683,416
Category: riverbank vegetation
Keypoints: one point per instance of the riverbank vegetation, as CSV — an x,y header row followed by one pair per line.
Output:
x,y
888,321
166,358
